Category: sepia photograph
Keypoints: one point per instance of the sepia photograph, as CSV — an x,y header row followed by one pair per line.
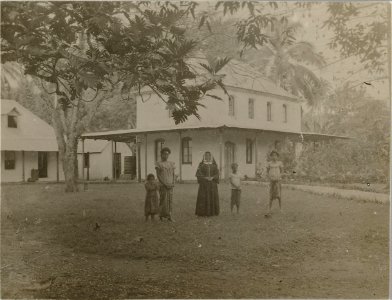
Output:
x,y
195,149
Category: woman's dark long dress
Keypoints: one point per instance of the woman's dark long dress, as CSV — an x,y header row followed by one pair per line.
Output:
x,y
207,197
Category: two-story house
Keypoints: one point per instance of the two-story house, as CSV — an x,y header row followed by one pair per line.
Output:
x,y
241,128
27,143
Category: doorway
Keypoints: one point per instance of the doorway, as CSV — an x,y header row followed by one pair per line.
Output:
x,y
42,164
117,165
130,166
229,157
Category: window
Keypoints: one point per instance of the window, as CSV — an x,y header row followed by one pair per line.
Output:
x,y
231,106
269,112
12,122
187,150
249,151
9,157
87,160
251,108
158,147
278,145
284,113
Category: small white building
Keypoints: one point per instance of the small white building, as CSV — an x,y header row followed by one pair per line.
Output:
x,y
106,160
243,128
28,146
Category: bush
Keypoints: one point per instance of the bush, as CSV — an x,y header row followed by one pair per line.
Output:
x,y
343,162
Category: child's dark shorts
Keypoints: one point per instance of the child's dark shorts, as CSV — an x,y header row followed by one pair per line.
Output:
x,y
275,189
235,197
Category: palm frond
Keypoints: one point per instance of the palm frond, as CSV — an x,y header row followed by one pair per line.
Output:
x,y
11,75
307,83
305,52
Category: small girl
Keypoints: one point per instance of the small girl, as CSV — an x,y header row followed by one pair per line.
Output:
x,y
151,206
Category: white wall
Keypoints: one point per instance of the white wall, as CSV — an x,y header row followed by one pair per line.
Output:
x,y
153,114
101,162
16,174
208,140
52,168
30,162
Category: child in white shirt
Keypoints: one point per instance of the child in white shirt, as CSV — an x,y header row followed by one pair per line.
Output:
x,y
235,181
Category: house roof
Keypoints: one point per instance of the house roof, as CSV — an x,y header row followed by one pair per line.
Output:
x,y
238,74
32,133
130,134
7,106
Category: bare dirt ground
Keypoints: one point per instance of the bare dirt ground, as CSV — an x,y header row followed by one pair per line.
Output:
x,y
318,247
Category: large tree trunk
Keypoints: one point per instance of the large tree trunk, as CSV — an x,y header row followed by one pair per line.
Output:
x,y
68,124
65,125
70,167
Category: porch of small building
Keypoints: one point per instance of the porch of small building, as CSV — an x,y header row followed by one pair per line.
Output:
x,y
246,146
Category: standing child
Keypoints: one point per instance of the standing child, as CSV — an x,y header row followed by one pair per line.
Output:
x,y
151,205
235,181
274,171
166,176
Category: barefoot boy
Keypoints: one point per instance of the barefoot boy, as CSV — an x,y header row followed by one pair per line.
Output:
x,y
274,171
235,181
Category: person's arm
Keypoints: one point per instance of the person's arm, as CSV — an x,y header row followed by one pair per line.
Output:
x,y
159,175
281,168
268,169
174,175
199,175
233,183
215,173
231,179
242,177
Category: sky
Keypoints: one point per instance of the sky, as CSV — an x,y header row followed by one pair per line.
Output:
x,y
337,70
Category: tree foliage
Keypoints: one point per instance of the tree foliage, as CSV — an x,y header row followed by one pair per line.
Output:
x,y
365,157
11,77
86,47
82,51
360,29
287,61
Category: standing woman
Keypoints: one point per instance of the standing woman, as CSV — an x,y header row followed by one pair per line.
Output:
x,y
165,173
208,178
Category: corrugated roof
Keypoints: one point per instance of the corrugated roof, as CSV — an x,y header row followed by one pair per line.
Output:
x,y
241,75
28,144
127,134
32,134
236,75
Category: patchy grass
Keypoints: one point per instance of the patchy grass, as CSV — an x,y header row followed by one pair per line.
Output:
x,y
381,188
318,247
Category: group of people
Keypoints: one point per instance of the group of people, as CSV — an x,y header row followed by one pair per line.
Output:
x,y
207,175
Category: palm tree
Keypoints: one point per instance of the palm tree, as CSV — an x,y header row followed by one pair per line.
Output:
x,y
11,76
287,61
